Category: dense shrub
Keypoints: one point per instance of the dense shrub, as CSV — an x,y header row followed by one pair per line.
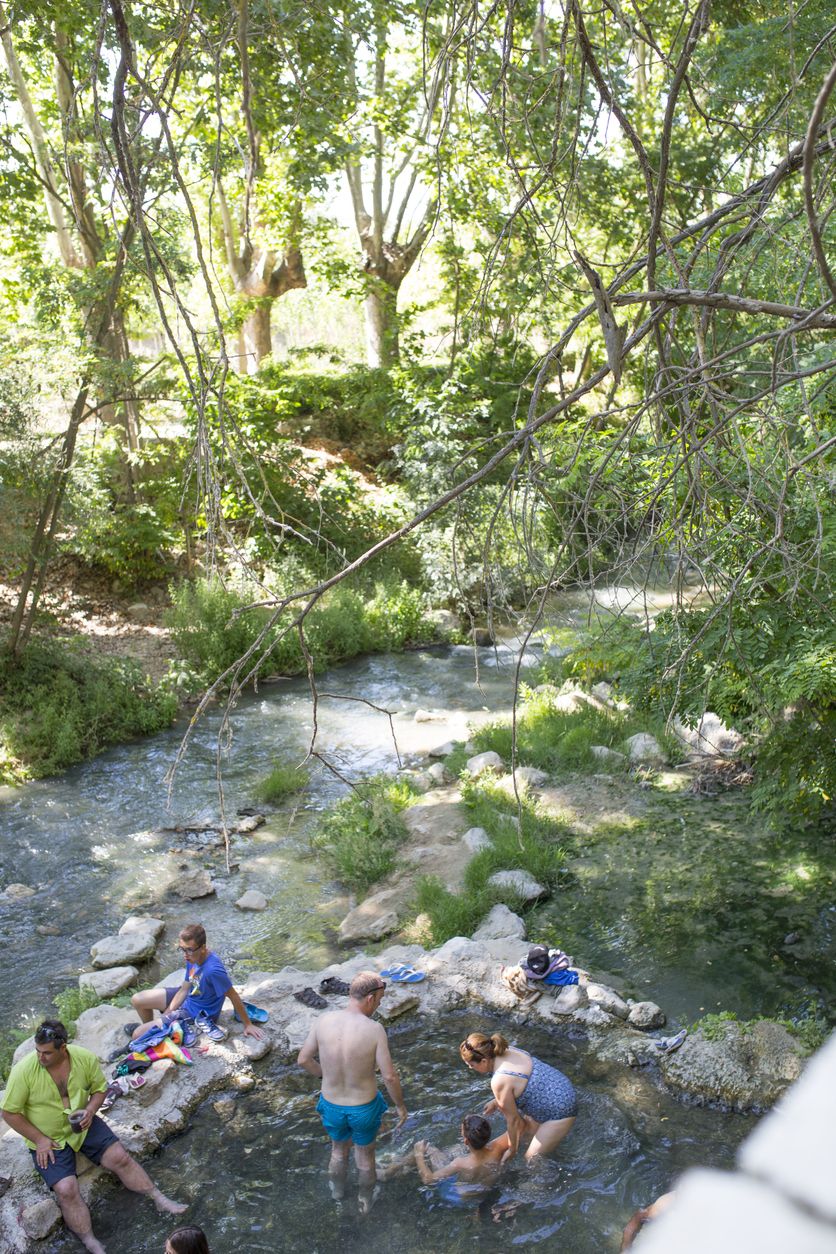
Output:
x,y
58,707
361,835
211,634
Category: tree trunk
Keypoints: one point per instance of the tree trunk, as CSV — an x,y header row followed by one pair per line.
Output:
x,y
256,341
382,348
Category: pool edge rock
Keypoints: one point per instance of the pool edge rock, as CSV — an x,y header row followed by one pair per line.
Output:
x,y
748,1071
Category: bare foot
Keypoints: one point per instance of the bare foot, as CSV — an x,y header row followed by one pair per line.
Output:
x,y
166,1205
91,1243
366,1200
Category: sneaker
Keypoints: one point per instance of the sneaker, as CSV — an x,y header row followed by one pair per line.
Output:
x,y
130,1028
214,1031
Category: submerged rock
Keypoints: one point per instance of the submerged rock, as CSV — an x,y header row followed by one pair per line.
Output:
x,y
520,883
252,900
193,884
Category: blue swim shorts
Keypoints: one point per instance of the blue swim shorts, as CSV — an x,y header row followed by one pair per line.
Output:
x,y
99,1138
359,1124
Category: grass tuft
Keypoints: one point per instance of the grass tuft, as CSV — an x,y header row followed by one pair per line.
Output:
x,y
282,782
361,835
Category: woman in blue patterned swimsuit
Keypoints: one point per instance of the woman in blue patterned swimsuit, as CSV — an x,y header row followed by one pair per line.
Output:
x,y
534,1098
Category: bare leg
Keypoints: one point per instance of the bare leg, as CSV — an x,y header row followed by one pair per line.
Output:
x,y
367,1172
117,1159
75,1212
338,1169
146,1002
548,1136
404,1163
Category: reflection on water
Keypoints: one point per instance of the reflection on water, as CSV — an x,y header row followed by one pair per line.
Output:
x,y
258,1183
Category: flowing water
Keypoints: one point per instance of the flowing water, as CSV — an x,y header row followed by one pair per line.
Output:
x,y
258,1182
687,903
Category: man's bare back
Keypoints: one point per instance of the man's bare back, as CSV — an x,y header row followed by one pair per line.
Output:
x,y
351,1048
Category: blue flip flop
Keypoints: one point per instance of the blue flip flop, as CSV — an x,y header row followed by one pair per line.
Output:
x,y
256,1014
408,976
392,973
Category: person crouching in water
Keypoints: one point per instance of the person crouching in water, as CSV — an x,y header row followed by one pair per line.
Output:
x,y
480,1165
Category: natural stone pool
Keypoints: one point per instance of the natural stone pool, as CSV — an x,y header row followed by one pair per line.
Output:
x,y
257,1181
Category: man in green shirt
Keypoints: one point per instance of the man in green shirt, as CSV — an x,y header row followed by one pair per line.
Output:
x,y
43,1088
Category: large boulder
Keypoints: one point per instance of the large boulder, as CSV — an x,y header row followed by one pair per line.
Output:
x,y
123,951
102,1029
607,999
746,1066
439,774
500,923
142,923
570,998
372,919
520,883
646,1015
40,1219
109,982
644,748
603,754
442,751
476,839
488,761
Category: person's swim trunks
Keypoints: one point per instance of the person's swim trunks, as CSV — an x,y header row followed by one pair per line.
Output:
x,y
359,1124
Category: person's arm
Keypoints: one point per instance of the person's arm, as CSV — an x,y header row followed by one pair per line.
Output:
x,y
249,1028
503,1091
96,1085
386,1067
178,998
45,1147
427,1175
307,1056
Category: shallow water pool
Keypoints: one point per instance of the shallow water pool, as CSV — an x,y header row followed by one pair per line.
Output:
x,y
258,1182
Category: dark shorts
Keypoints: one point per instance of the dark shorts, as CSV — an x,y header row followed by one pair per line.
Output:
x,y
359,1124
169,994
99,1138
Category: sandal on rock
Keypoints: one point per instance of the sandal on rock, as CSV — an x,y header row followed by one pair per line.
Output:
x,y
310,997
391,973
136,1081
407,976
130,1028
667,1044
335,986
255,1014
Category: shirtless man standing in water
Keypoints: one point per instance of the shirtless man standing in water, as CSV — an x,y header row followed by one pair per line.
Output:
x,y
345,1049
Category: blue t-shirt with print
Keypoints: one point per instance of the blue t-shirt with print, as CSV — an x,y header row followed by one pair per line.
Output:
x,y
210,983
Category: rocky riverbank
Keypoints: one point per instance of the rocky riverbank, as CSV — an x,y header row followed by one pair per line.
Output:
x,y
745,1067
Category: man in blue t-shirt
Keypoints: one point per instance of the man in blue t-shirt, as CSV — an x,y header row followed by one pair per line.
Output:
x,y
200,996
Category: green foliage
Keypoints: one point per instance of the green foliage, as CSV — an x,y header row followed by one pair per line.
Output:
x,y
713,1026
72,1002
361,835
58,707
282,782
554,739
539,845
212,627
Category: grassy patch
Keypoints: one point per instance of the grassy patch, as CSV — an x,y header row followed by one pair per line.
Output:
x,y
361,835
554,739
58,707
538,845
282,782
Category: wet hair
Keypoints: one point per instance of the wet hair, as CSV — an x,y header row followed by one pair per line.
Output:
x,y
477,1047
194,932
189,1240
51,1032
476,1131
365,983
